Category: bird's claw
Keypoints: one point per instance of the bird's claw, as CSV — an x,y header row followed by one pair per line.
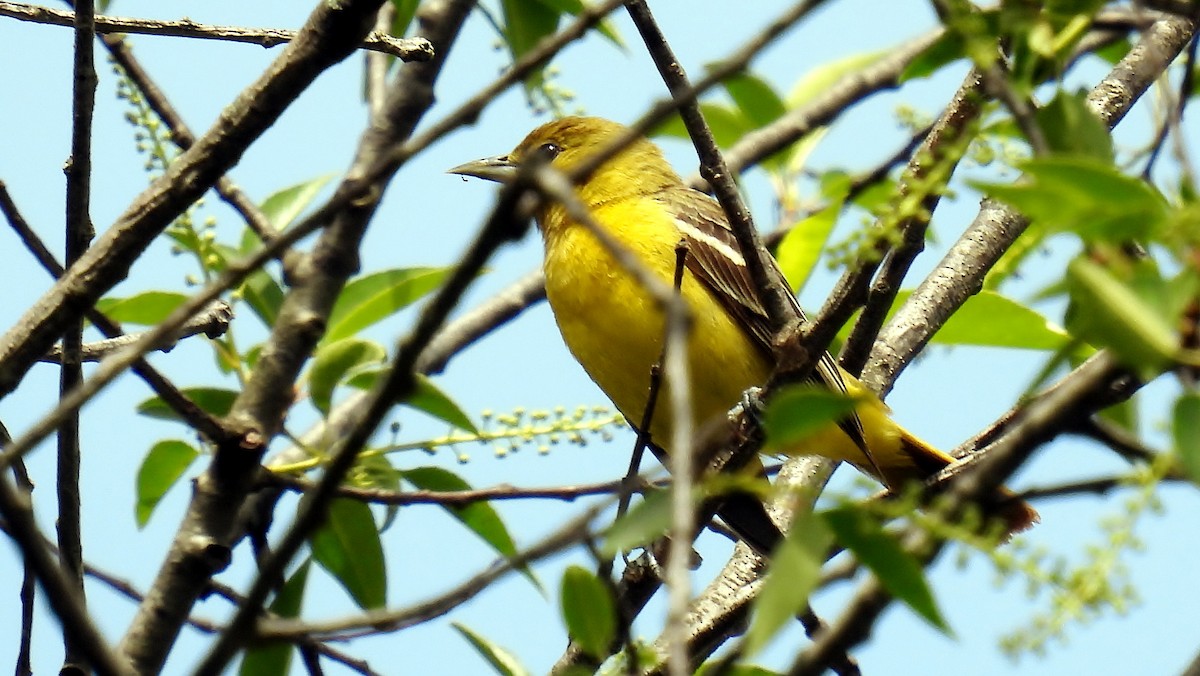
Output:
x,y
751,404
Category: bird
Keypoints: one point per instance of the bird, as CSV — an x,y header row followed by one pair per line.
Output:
x,y
615,329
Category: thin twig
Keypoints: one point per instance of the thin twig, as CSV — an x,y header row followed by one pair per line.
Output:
x,y
937,157
839,97
405,49
780,308
78,237
377,64
60,590
126,589
574,531
1098,487
479,321
381,496
212,322
28,593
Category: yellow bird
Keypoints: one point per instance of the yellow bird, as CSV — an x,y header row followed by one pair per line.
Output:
x,y
614,328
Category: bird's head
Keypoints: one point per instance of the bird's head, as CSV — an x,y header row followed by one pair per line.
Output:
x,y
639,168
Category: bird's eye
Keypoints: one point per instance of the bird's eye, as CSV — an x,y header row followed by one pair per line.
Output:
x,y
549,150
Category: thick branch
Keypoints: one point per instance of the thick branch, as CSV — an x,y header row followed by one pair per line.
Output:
x,y
961,271
330,35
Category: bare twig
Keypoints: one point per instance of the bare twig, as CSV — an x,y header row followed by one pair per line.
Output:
x,y
61,591
28,593
472,325
405,49
378,64
574,531
1098,487
780,309
126,589
458,498
212,322
1122,441
881,75
78,236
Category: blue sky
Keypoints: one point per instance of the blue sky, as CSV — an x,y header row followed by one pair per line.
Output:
x,y
427,218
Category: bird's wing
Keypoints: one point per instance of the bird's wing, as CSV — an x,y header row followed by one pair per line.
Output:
x,y
715,259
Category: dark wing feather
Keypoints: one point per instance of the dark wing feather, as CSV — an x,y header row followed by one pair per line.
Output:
x,y
715,259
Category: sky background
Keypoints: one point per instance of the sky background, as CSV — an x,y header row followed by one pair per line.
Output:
x,y
426,219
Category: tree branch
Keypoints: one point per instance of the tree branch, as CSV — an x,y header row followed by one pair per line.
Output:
x,y
78,236
573,532
199,419
961,271
405,49
330,35
213,322
65,599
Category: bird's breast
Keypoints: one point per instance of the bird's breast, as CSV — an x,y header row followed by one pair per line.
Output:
x,y
615,328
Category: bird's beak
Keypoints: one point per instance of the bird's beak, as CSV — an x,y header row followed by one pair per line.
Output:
x,y
500,169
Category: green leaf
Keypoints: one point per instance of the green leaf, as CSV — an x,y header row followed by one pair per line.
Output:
x,y
819,80
284,206
162,467
588,610
348,547
795,572
1124,414
727,125
526,23
147,308
213,400
1085,196
370,299
798,156
948,48
502,661
1109,313
1116,51
801,247
405,10
432,400
377,472
1186,428
899,573
992,320
1071,128
480,517
275,658
427,397
798,411
264,296
755,99
573,7
645,522
331,363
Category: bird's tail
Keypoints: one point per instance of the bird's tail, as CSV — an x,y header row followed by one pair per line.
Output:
x,y
1018,515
